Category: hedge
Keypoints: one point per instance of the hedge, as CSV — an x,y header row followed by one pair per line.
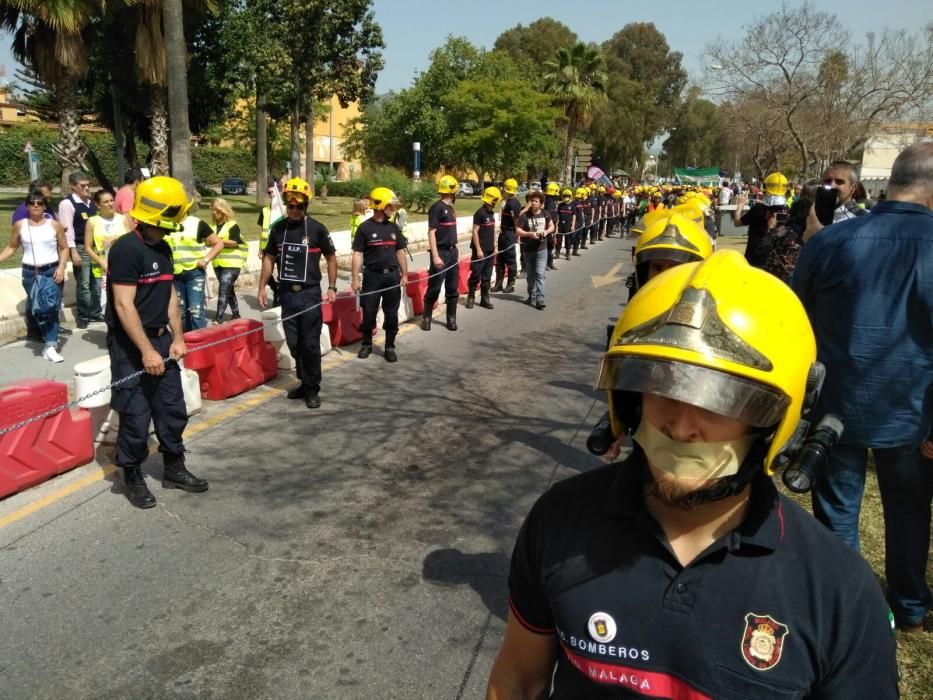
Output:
x,y
210,163
417,196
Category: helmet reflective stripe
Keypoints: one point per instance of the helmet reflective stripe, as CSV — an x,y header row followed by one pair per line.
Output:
x,y
186,249
230,257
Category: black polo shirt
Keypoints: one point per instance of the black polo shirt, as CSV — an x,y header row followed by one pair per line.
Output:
x,y
485,218
594,207
778,608
146,264
307,231
378,241
443,219
579,207
565,215
756,249
550,205
510,211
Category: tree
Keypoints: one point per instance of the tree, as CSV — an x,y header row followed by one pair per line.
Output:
x,y
696,137
646,80
537,43
176,66
505,126
48,37
827,92
576,79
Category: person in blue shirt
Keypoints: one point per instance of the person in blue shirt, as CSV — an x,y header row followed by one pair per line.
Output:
x,y
41,188
867,285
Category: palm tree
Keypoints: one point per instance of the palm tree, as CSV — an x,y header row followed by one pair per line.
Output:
x,y
48,37
150,67
577,79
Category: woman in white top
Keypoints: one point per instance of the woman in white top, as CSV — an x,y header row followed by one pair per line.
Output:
x,y
44,254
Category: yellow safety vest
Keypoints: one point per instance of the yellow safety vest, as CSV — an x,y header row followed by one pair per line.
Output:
x,y
186,250
266,224
230,257
104,229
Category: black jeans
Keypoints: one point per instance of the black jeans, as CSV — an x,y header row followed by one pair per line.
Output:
x,y
450,278
146,399
303,333
226,291
380,287
480,270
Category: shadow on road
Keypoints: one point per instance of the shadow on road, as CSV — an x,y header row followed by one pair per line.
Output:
x,y
486,573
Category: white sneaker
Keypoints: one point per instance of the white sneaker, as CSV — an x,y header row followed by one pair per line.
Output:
x,y
52,355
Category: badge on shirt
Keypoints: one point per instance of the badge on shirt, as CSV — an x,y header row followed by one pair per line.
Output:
x,y
763,641
602,627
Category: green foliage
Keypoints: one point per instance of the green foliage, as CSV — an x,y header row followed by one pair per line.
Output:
x,y
537,43
697,134
213,163
417,196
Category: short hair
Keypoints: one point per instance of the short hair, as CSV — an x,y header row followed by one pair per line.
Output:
x,y
536,194
133,175
844,165
913,167
224,206
39,184
75,177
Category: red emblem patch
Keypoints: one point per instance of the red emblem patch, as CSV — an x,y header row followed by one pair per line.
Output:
x,y
763,641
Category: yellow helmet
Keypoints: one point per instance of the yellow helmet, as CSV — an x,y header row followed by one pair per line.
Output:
x,y
601,189
510,186
380,197
553,188
649,218
717,334
447,185
617,194
581,193
691,210
776,184
492,196
296,188
566,192
161,201
675,238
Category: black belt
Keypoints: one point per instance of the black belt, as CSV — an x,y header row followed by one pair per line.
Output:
x,y
40,268
155,332
446,247
297,286
381,270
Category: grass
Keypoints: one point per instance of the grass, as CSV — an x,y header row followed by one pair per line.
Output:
x,y
334,214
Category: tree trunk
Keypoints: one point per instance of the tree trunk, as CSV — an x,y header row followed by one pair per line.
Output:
x,y
567,169
309,144
158,132
296,147
118,135
262,164
98,171
69,151
132,156
176,67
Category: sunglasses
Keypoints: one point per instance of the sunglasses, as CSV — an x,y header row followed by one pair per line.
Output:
x,y
83,185
36,203
836,181
295,206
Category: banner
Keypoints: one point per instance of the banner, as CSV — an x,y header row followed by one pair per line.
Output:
x,y
594,173
697,176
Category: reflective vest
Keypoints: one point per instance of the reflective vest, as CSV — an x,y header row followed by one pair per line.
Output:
x,y
266,224
230,257
186,250
104,229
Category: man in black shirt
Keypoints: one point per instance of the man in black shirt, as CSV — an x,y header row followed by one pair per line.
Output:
x,y
565,222
298,242
507,256
143,330
551,200
379,249
483,248
761,218
581,217
445,258
681,572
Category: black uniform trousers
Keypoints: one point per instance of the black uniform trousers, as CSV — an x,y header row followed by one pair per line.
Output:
x,y
480,270
506,258
144,400
563,238
303,333
593,226
450,278
380,285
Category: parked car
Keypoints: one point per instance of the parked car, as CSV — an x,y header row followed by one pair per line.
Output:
x,y
233,185
466,189
523,189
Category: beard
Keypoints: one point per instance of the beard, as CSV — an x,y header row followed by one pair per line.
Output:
x,y
685,494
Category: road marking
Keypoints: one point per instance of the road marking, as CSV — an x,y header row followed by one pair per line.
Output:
x,y
609,278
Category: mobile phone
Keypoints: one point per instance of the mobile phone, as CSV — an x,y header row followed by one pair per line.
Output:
x,y
827,199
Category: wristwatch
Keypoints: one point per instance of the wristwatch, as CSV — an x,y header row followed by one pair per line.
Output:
x,y
334,288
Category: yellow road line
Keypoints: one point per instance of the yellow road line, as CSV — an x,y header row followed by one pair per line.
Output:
x,y
330,361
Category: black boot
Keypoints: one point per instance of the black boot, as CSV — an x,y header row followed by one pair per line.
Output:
x,y
136,490
426,317
484,296
471,294
451,314
299,392
365,350
176,476
510,285
389,351
499,275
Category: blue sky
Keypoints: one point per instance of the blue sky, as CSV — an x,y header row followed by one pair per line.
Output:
x,y
413,28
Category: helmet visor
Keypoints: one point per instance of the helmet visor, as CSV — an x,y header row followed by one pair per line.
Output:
x,y
724,394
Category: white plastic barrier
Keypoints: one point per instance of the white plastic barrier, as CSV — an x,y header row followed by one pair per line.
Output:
x,y
405,314
274,332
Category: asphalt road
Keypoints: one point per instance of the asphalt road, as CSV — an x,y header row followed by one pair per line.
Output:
x,y
357,551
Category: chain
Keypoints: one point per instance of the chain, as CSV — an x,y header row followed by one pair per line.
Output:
x,y
205,346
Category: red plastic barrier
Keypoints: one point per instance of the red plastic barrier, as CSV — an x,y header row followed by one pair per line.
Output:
x,y
462,288
46,447
232,367
417,286
343,319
